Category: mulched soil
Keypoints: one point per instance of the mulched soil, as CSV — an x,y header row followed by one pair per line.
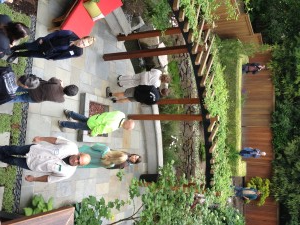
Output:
x,y
28,7
96,108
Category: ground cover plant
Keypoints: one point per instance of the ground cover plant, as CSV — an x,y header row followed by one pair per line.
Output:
x,y
168,201
11,123
233,54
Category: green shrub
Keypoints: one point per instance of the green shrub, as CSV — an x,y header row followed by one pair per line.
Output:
x,y
262,185
38,205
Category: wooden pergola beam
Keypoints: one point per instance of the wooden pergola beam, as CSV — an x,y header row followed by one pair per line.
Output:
x,y
170,117
147,34
146,53
178,101
157,33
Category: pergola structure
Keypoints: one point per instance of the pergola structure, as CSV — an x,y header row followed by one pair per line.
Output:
x,y
201,55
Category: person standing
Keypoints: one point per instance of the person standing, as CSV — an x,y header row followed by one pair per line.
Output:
x,y
51,90
103,156
58,161
153,77
58,45
249,152
10,33
246,193
104,123
253,68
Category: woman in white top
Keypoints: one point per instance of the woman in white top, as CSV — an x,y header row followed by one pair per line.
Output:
x,y
153,77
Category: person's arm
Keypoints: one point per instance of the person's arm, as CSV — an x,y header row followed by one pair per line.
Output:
x,y
61,33
30,178
100,148
119,166
51,140
245,198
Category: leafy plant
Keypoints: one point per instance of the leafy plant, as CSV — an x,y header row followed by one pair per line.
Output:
x,y
168,201
262,185
39,205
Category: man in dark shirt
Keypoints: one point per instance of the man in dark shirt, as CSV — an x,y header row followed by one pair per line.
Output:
x,y
51,90
58,45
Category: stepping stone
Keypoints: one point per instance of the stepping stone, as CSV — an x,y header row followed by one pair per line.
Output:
x,y
1,196
4,138
7,108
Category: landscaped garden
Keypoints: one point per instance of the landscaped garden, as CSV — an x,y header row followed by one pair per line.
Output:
x,y
160,202
12,123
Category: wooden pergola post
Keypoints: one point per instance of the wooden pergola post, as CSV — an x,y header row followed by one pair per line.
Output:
x,y
171,117
146,53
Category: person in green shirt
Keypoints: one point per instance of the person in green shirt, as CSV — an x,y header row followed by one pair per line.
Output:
x,y
104,123
103,156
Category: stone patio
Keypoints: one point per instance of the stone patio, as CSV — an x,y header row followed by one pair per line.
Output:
x,y
92,75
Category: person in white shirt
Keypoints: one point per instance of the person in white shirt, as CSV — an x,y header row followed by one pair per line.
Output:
x,y
153,77
57,160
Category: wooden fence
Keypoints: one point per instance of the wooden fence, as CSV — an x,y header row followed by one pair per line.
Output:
x,y
256,132
256,114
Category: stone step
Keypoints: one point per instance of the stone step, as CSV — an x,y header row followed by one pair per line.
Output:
x,y
153,137
117,22
1,197
7,108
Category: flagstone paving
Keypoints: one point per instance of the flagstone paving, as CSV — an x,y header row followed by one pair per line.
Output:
x,y
92,75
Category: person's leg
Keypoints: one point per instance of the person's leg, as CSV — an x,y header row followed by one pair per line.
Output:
x,y
118,95
22,98
124,100
21,89
74,125
31,46
15,161
34,54
14,149
77,116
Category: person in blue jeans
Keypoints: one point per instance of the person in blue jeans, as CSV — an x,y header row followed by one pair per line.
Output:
x,y
51,90
249,152
246,193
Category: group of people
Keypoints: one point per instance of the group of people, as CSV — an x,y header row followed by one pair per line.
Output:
x,y
59,158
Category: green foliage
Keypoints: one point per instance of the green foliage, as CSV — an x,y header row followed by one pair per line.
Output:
x,y
38,205
163,202
158,13
120,174
8,179
5,123
171,132
285,181
92,211
278,20
262,185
